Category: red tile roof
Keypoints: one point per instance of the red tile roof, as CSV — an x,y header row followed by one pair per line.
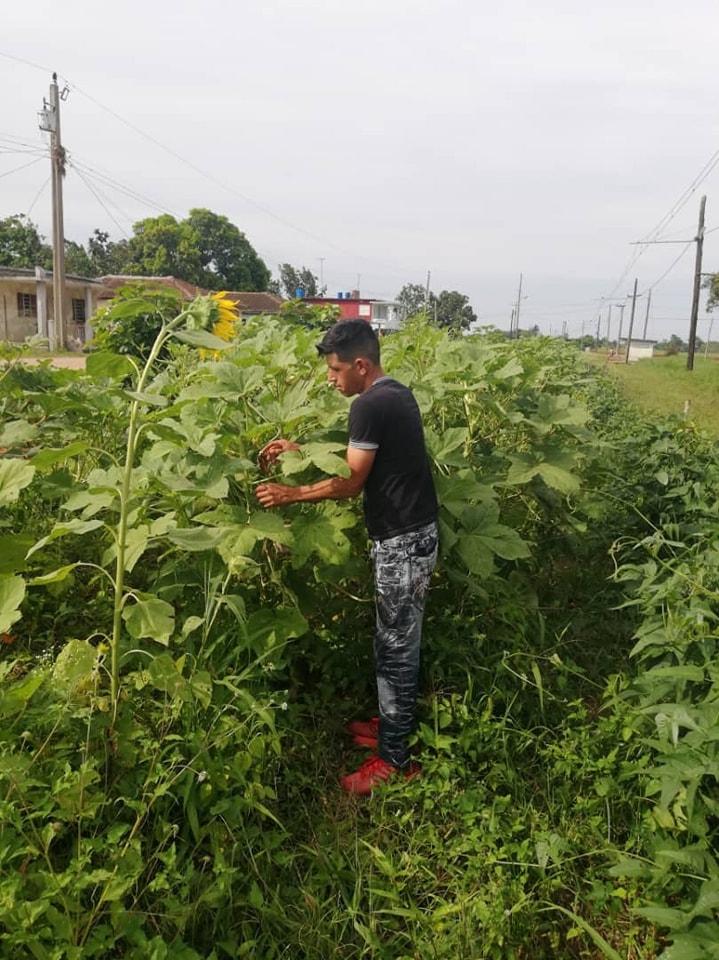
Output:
x,y
249,302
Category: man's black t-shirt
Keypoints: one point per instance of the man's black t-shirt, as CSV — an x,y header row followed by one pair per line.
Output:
x,y
399,492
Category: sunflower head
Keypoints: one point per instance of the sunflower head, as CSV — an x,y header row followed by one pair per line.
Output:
x,y
225,315
216,314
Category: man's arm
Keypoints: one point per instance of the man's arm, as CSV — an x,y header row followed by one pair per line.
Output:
x,y
333,488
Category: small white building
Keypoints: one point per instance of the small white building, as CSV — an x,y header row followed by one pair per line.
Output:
x,y
27,308
638,349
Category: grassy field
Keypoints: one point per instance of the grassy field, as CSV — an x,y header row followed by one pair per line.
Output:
x,y
664,385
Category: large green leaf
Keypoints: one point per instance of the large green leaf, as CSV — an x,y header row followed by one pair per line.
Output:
x,y
269,626
74,666
77,527
461,488
49,456
153,619
15,475
102,364
12,594
556,473
13,552
321,455
201,338
197,539
17,433
448,447
321,534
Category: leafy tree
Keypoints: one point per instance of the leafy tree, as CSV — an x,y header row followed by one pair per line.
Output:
x,y
312,316
205,249
163,247
78,262
453,310
711,283
228,259
672,346
413,297
107,256
21,245
291,280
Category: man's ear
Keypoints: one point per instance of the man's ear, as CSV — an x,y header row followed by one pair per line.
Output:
x,y
362,365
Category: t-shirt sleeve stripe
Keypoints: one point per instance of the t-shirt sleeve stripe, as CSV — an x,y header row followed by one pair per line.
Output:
x,y
363,445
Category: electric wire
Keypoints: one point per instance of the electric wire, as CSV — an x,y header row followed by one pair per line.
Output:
x,y
99,199
37,196
23,167
115,184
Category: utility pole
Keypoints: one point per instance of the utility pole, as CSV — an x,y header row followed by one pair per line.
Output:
x,y
516,312
621,323
631,321
609,327
646,317
599,324
697,286
426,295
50,123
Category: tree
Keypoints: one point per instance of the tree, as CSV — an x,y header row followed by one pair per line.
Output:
x,y
413,297
453,310
291,280
711,283
163,247
77,260
107,256
204,249
21,245
228,259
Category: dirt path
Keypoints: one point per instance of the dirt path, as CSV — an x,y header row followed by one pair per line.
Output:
x,y
70,363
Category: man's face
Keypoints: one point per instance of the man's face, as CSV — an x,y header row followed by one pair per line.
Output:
x,y
345,375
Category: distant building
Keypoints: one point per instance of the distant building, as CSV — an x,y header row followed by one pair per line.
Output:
x,y
638,349
249,303
384,315
27,307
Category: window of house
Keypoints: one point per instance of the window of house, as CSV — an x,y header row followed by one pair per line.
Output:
x,y
26,305
78,311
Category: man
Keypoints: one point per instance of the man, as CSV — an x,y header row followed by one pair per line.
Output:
x,y
388,461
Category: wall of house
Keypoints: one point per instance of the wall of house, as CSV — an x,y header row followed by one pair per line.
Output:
x,y
14,327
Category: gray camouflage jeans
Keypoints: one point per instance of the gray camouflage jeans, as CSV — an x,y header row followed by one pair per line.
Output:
x,y
402,567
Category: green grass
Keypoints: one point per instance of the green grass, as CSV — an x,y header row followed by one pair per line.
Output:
x,y
664,385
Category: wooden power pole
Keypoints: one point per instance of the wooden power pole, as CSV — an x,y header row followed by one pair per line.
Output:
x,y
50,123
631,321
691,349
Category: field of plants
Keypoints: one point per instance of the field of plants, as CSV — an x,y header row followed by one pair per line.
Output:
x,y
177,665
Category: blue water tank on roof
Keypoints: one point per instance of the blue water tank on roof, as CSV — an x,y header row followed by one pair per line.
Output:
x,y
300,292
339,294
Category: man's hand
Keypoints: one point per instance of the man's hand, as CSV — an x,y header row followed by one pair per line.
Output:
x,y
275,494
271,451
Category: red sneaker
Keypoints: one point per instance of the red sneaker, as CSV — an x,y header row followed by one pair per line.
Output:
x,y
374,771
364,732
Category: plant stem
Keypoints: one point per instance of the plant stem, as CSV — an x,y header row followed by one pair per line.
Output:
x,y
121,536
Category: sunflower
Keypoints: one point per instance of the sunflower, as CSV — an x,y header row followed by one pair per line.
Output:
x,y
226,316
216,314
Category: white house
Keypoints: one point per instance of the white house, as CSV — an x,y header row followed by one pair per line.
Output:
x,y
27,308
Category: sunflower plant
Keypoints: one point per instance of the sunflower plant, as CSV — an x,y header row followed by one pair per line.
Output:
x,y
208,323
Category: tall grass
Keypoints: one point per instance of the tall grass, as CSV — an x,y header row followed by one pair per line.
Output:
x,y
664,385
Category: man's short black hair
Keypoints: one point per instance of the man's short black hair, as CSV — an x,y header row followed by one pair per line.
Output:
x,y
351,339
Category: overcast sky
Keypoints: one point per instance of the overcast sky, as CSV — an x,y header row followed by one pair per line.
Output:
x,y
376,141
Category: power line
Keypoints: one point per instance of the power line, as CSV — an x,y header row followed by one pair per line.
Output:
x,y
23,167
99,199
37,197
